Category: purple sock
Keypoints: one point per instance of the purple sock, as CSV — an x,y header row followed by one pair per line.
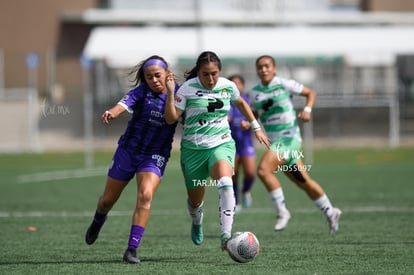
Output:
x,y
135,236
236,192
99,218
247,184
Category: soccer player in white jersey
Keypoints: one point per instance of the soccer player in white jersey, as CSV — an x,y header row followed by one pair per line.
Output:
x,y
271,101
207,148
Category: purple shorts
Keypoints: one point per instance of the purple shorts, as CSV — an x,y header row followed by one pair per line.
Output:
x,y
125,164
245,151
245,147
244,142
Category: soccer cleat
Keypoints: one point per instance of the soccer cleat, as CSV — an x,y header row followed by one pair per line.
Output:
x,y
197,233
282,220
92,232
247,200
224,239
333,220
130,256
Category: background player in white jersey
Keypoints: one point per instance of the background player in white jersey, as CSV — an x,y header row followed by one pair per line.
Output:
x,y
271,100
207,149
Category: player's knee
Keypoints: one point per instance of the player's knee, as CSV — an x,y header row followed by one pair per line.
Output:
x,y
262,172
225,183
145,197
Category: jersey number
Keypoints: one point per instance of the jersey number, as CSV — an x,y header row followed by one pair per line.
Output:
x,y
213,105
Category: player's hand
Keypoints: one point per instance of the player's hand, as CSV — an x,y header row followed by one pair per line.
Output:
x,y
244,125
107,116
262,138
169,82
304,116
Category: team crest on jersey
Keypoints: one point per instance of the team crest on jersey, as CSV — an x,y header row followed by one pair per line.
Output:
x,y
225,93
125,97
178,99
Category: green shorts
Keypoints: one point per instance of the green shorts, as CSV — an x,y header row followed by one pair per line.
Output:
x,y
288,149
197,164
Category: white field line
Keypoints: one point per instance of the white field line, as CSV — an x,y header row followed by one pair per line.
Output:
x,y
68,174
47,214
179,212
62,175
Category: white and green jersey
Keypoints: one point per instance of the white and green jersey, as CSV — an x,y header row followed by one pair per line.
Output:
x,y
205,112
274,106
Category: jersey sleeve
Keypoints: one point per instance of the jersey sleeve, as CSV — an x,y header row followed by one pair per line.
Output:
x,y
236,93
251,95
180,99
292,86
129,100
231,111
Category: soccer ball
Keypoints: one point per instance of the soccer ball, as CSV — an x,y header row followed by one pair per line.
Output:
x,y
243,247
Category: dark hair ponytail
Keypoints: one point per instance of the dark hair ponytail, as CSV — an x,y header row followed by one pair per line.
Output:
x,y
204,58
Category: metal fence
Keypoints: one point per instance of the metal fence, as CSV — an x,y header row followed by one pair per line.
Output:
x,y
353,102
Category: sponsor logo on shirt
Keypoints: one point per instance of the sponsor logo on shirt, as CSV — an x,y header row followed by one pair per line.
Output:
x,y
156,114
204,122
199,93
224,93
157,118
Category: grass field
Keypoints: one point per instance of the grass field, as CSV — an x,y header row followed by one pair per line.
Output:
x,y
54,195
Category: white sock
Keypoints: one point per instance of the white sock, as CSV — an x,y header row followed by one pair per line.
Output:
x,y
227,204
278,199
324,205
196,213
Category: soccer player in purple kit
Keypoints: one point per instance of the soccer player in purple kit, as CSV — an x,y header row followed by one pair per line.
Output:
x,y
143,150
245,151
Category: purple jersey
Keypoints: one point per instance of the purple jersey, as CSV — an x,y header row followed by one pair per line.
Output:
x,y
147,132
243,139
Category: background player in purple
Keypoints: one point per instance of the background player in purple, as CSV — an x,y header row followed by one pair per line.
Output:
x,y
245,151
143,150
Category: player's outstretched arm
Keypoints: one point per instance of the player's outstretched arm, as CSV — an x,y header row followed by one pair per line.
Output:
x,y
112,113
310,95
244,108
